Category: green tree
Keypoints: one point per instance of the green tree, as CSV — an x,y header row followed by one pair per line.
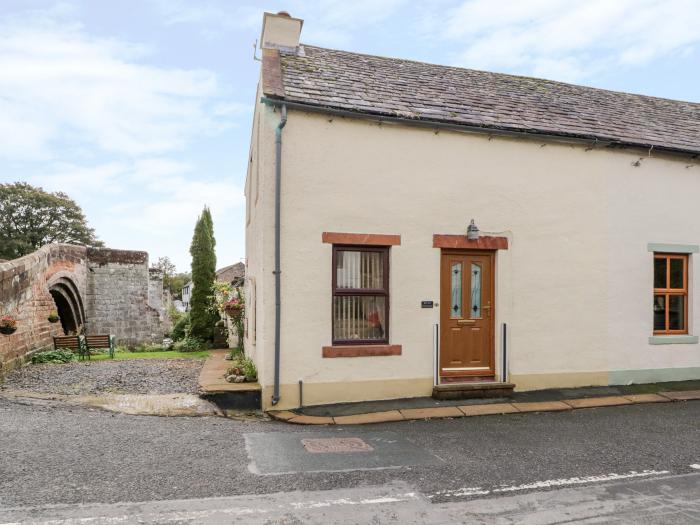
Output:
x,y
165,265
177,282
203,316
172,280
31,217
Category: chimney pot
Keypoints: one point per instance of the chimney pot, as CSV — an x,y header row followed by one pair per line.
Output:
x,y
280,31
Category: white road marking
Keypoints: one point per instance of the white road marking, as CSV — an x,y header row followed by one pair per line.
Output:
x,y
345,501
177,515
479,491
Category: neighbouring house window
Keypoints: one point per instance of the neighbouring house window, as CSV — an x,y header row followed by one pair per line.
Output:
x,y
360,295
670,293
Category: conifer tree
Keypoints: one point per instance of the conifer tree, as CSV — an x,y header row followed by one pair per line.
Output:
x,y
202,315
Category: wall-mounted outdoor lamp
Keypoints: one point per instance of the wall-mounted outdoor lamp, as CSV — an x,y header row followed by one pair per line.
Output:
x,y
472,231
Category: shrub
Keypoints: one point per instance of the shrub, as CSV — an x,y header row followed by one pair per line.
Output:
x,y
54,356
180,328
53,317
189,344
250,371
243,365
175,314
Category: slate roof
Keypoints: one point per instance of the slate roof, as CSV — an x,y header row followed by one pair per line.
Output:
x,y
230,273
393,87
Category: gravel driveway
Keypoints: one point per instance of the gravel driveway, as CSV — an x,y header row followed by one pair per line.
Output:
x,y
131,376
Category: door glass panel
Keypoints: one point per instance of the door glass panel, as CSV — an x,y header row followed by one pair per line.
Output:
x,y
360,270
659,273
659,312
676,312
359,317
676,273
456,290
475,312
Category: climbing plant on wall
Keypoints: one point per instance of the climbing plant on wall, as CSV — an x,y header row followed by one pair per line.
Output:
x,y
202,316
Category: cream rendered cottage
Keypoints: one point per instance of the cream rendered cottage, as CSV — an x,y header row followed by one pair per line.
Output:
x,y
363,281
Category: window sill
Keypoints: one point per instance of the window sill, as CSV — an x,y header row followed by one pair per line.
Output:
x,y
673,340
361,350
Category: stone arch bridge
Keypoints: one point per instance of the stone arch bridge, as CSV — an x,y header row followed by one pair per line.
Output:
x,y
94,291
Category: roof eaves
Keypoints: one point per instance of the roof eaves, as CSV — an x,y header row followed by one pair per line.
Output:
x,y
532,133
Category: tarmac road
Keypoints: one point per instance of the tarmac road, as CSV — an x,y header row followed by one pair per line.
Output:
x,y
630,464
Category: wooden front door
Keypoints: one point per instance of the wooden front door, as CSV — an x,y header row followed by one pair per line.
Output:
x,y
466,314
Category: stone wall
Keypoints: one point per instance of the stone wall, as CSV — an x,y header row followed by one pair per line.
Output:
x,y
158,298
119,294
25,294
95,290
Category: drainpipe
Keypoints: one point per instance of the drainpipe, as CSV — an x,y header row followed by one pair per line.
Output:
x,y
278,302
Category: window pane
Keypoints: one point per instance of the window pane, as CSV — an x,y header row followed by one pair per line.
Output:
x,y
676,312
360,270
676,273
359,317
475,312
456,291
659,273
659,312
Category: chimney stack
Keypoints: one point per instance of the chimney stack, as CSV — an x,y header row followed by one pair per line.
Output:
x,y
280,31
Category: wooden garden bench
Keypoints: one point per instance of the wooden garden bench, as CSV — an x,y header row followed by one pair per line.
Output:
x,y
95,342
76,343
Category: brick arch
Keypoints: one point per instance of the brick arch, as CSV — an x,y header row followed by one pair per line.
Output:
x,y
100,290
69,303
27,289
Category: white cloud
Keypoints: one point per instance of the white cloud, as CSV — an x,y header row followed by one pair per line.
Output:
x,y
209,14
152,204
331,23
565,40
61,87
91,116
83,182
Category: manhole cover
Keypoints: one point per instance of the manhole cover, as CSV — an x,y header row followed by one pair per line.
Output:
x,y
321,450
335,445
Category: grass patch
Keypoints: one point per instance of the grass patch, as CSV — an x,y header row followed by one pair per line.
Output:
x,y
120,356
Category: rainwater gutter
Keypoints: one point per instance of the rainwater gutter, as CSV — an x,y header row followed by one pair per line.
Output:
x,y
588,140
278,291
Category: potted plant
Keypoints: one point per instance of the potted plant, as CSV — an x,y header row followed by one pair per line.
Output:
x,y
53,317
8,325
234,308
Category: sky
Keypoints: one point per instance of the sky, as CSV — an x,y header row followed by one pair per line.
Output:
x,y
141,110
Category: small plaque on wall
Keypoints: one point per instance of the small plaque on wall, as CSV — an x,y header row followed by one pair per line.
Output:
x,y
426,304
